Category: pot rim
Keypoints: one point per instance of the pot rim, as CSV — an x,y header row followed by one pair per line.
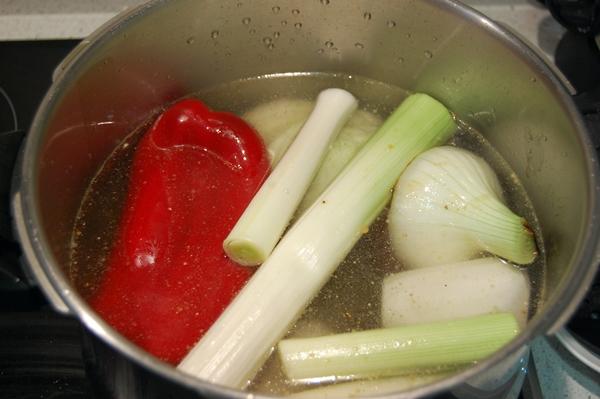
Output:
x,y
559,307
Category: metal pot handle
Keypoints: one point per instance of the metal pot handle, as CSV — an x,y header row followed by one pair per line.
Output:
x,y
583,354
29,262
589,104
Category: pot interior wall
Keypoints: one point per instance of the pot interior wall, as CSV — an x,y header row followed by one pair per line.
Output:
x,y
185,45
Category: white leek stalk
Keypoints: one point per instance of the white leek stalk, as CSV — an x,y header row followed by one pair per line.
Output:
x,y
261,225
237,344
369,387
454,291
398,350
448,207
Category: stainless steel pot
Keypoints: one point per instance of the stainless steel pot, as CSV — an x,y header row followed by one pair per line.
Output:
x,y
166,49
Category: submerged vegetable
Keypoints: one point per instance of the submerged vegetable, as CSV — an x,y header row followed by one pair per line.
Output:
x,y
167,278
353,136
453,291
279,121
448,207
261,225
398,350
241,339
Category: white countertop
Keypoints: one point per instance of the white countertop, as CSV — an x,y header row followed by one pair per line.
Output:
x,y
56,19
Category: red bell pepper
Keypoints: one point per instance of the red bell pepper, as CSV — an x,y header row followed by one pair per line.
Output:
x,y
167,278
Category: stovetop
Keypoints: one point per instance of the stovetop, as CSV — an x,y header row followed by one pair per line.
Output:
x,y
40,350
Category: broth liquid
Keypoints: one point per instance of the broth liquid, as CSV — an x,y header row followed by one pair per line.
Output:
x,y
351,299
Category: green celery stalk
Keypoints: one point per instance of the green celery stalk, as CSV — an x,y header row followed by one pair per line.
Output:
x,y
398,350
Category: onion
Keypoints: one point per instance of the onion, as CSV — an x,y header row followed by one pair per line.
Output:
x,y
448,207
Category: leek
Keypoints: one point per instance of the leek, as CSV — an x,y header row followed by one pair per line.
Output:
x,y
398,350
261,225
242,338
448,207
454,291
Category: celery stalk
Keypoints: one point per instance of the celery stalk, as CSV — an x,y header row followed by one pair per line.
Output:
x,y
237,344
398,350
261,225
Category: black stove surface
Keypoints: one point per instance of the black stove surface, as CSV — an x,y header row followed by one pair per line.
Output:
x,y
578,58
40,356
25,75
40,350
